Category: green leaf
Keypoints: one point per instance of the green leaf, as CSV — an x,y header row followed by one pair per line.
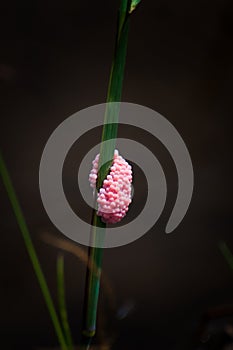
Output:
x,y
134,4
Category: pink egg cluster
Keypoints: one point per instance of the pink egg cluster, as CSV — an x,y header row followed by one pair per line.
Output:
x,y
115,196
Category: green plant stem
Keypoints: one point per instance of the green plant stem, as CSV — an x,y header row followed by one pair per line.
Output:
x,y
109,132
62,301
110,127
31,251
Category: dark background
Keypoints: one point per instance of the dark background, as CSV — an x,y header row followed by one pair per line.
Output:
x,y
55,60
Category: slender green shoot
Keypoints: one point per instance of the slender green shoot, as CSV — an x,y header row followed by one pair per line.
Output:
x,y
31,251
226,253
109,133
62,301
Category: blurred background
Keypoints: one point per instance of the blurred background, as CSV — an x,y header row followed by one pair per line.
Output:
x,y
169,292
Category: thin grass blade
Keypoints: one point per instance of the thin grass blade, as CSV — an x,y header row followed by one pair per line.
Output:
x,y
31,251
62,301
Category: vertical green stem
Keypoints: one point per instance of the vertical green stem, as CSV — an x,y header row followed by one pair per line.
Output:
x,y
110,127
31,251
109,132
62,301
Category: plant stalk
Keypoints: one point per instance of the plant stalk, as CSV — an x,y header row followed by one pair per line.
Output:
x,y
109,132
